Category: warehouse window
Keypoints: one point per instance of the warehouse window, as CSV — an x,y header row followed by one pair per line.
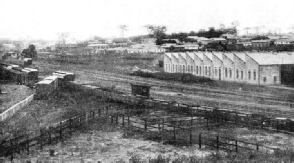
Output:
x,y
192,68
209,71
173,68
249,75
230,73
200,70
184,69
205,70
226,72
264,79
197,70
215,71
241,74
254,74
237,73
275,79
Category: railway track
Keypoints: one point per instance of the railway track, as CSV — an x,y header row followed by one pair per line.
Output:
x,y
200,90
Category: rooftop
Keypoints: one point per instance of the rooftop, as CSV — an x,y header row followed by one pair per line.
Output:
x,y
219,55
199,55
191,55
209,55
230,56
272,58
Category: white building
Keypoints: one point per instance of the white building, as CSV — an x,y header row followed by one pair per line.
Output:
x,y
252,68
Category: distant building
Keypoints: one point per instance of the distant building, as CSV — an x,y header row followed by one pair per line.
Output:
x,y
284,42
260,43
219,40
8,47
66,47
253,68
202,40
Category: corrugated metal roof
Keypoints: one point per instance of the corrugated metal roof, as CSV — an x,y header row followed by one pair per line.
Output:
x,y
169,55
260,41
91,45
176,55
191,55
199,55
219,55
272,58
183,55
230,56
242,56
209,55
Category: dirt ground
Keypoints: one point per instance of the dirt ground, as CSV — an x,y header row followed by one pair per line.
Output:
x,y
15,93
104,143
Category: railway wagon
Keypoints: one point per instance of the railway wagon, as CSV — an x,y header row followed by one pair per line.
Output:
x,y
68,76
27,62
18,76
54,80
44,89
33,75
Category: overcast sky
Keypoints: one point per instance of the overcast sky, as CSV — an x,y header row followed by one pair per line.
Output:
x,y
83,18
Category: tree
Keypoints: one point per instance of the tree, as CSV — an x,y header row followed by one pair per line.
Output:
x,y
247,30
123,29
62,37
30,52
222,26
256,30
157,32
235,25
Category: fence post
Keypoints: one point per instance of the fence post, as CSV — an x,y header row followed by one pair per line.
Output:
x,y
128,120
41,139
277,126
190,136
191,126
28,144
123,120
162,128
70,126
174,133
159,126
50,141
145,125
12,150
80,121
116,119
236,144
217,142
200,141
60,130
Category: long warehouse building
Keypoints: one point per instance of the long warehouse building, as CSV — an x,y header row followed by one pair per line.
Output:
x,y
250,67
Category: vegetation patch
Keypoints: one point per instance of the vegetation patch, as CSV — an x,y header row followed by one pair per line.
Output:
x,y
187,78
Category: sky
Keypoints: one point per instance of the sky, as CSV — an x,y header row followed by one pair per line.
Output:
x,y
45,19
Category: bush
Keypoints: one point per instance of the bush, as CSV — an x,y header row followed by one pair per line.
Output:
x,y
187,78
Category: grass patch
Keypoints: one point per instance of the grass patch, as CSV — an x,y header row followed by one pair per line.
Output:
x,y
187,78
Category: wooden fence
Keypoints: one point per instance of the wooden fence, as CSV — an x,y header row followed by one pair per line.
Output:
x,y
173,127
49,135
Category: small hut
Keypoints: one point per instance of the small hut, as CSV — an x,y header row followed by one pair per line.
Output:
x,y
141,89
